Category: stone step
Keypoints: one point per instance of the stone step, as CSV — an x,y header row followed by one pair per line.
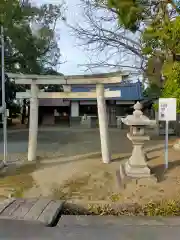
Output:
x,y
42,210
115,222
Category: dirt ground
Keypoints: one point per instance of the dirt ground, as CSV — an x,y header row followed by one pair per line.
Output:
x,y
69,166
91,180
88,179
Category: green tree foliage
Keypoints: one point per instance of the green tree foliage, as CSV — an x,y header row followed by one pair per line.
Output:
x,y
167,40
171,72
130,12
30,52
25,51
164,41
160,40
146,17
52,88
152,91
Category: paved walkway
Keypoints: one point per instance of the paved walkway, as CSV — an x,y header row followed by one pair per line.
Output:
x,y
71,142
101,228
27,218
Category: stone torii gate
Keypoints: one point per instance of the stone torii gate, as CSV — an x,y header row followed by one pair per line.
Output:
x,y
95,79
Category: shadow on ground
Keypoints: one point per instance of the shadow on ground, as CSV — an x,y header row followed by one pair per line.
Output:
x,y
160,171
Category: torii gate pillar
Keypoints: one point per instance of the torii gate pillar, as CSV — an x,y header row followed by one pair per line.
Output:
x,y
103,123
33,122
102,116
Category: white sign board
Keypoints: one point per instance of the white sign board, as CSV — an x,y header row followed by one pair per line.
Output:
x,y
167,109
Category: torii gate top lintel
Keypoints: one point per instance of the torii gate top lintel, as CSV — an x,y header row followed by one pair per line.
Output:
x,y
112,77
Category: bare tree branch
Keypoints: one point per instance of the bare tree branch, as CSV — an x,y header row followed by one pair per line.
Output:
x,y
99,33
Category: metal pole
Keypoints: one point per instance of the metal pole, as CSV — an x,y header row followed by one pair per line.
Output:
x,y
166,144
4,115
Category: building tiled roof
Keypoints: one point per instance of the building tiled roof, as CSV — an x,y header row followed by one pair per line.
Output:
x,y
129,91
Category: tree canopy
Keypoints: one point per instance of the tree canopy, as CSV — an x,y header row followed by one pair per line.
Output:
x,y
30,38
159,25
24,50
130,12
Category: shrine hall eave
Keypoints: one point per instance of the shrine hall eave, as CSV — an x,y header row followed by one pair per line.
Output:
x,y
129,91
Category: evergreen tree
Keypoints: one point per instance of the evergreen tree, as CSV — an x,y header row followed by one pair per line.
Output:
x,y
25,51
130,12
160,39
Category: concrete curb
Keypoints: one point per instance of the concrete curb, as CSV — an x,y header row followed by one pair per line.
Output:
x,y
116,221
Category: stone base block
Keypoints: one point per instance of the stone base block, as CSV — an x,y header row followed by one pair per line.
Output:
x,y
147,181
124,179
134,171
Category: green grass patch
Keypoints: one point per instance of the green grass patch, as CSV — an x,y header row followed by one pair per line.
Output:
x,y
88,186
18,179
70,188
163,208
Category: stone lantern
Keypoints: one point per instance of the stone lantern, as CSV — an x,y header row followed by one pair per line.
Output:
x,y
136,166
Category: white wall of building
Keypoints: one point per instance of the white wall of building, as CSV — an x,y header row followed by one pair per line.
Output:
x,y
74,109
